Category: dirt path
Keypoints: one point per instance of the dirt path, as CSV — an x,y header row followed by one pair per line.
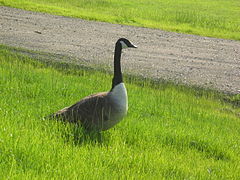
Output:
x,y
190,59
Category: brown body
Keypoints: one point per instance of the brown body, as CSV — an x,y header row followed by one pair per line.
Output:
x,y
91,112
98,111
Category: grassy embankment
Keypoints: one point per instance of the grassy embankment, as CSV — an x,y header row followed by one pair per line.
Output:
x,y
170,132
215,18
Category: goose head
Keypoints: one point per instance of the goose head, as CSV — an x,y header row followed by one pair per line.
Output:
x,y
121,43
125,43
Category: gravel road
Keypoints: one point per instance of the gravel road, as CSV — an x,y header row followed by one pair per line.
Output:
x,y
190,59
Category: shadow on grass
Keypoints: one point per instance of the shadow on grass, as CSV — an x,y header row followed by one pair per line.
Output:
x,y
80,136
75,133
69,65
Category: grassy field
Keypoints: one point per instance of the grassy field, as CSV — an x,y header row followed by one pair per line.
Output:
x,y
215,18
170,132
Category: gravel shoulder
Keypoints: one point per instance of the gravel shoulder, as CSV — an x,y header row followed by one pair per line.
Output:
x,y
194,60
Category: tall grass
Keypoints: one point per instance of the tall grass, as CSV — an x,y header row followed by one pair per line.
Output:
x,y
169,132
215,18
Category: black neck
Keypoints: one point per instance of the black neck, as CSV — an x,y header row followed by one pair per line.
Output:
x,y
117,78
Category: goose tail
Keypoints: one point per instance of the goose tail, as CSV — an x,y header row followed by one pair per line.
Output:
x,y
56,115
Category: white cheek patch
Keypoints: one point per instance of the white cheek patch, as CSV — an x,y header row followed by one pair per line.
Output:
x,y
123,45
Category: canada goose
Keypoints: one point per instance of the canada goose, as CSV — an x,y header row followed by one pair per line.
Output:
x,y
101,111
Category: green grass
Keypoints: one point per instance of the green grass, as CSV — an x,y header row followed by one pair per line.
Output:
x,y
215,18
170,132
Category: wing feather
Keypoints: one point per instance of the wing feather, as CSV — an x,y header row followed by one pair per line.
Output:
x,y
89,111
